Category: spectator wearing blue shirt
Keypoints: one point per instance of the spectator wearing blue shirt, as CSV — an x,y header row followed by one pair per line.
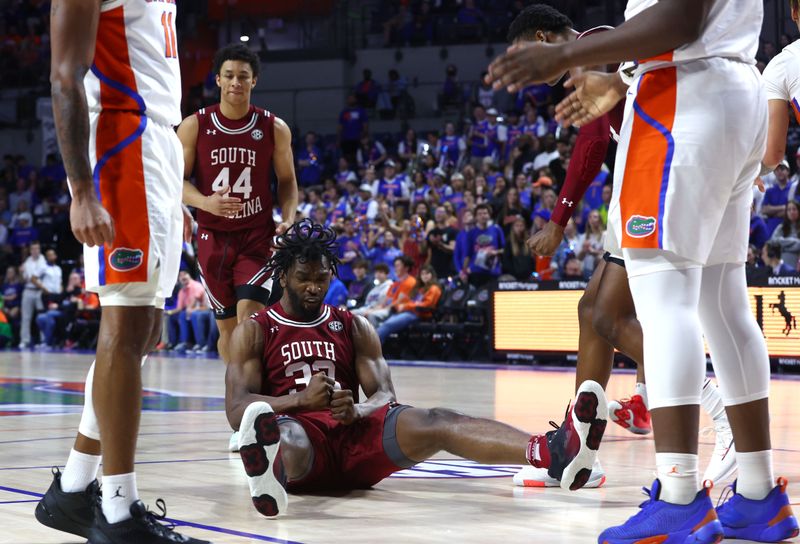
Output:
x,y
758,229
485,245
775,199
353,124
392,186
451,147
350,250
337,293
52,172
383,249
309,161
367,90
479,137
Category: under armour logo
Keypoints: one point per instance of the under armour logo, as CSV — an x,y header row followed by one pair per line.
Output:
x,y
204,236
118,494
211,131
273,329
567,202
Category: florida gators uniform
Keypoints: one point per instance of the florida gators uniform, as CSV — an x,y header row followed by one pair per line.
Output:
x,y
782,77
693,135
133,90
345,456
233,251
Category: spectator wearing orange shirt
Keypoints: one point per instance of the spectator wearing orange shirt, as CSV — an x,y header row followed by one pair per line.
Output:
x,y
422,301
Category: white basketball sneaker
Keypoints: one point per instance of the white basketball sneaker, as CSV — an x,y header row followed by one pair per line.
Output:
x,y
722,464
538,477
259,448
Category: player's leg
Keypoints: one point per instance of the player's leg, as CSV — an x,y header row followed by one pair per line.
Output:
x,y
595,354
225,327
568,452
275,452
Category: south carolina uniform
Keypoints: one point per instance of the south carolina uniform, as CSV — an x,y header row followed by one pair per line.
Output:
x,y
133,90
233,251
691,142
345,456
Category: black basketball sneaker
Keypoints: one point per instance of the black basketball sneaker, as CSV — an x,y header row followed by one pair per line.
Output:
x,y
144,527
68,512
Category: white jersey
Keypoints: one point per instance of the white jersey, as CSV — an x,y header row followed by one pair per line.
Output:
x,y
782,77
135,66
731,31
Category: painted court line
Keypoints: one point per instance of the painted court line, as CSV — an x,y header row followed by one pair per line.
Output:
x,y
160,462
213,528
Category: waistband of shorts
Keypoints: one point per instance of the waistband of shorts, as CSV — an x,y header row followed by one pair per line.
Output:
x,y
158,120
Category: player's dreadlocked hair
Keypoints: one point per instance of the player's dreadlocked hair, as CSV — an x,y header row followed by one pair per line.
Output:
x,y
303,242
537,17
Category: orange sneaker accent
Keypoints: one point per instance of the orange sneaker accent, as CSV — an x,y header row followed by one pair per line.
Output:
x,y
782,482
533,483
653,540
783,513
710,516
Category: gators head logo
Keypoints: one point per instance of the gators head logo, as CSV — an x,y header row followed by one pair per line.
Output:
x,y
639,226
124,259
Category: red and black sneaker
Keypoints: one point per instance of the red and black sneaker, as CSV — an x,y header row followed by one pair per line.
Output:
x,y
631,414
259,448
573,446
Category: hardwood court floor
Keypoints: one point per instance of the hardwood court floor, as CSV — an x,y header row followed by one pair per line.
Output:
x,y
182,457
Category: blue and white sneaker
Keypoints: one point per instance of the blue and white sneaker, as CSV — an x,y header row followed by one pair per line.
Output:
x,y
767,520
666,523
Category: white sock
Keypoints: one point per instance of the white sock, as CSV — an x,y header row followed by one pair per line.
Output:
x,y
80,471
119,493
677,473
641,390
755,479
711,401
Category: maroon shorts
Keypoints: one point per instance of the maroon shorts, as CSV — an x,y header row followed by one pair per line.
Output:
x,y
355,456
233,267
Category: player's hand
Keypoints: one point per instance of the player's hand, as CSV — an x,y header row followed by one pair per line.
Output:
x,y
545,242
343,408
219,203
760,184
526,64
280,228
91,223
188,224
596,93
317,395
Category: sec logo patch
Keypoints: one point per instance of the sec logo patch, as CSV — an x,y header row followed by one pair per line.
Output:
x,y
257,134
336,326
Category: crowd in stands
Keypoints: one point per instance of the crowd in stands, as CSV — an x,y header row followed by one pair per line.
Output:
x,y
24,42
416,213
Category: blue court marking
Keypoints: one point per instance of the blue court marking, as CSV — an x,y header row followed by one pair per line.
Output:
x,y
18,502
214,528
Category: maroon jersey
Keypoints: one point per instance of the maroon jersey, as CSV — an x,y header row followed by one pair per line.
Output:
x,y
236,154
294,351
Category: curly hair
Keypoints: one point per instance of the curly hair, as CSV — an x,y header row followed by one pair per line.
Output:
x,y
305,241
537,17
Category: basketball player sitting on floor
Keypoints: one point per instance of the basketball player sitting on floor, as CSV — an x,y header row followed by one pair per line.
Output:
x,y
292,390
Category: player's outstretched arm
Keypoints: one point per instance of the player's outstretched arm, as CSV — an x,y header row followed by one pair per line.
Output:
x,y
283,161
663,27
73,31
244,376
373,375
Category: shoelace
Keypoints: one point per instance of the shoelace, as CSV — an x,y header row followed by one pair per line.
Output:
x,y
726,493
160,521
643,505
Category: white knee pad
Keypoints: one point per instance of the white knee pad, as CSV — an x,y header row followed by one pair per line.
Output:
x,y
88,426
674,362
738,350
